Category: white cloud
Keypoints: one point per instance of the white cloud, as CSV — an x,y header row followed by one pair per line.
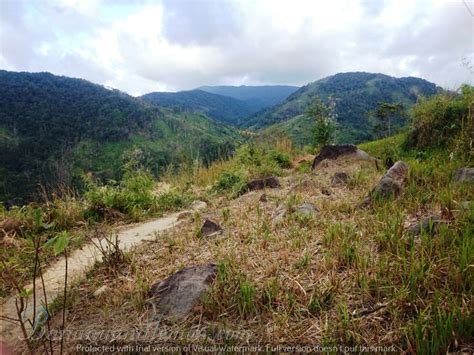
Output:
x,y
181,44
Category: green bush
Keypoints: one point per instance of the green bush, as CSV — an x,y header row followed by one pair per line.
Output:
x,y
134,193
441,120
281,159
228,180
172,201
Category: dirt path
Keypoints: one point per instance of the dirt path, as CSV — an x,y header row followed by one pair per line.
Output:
x,y
79,262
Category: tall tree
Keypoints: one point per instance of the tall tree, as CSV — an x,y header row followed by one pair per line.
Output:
x,y
384,114
325,121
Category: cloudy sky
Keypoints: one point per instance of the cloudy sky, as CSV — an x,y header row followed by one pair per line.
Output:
x,y
140,46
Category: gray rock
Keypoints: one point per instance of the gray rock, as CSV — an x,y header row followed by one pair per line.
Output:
x,y
332,152
306,209
210,228
339,178
429,225
260,184
390,185
464,175
174,297
198,205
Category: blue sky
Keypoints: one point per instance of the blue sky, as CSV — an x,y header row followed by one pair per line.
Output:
x,y
140,46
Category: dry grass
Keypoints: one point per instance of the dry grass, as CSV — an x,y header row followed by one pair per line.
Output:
x,y
345,276
301,270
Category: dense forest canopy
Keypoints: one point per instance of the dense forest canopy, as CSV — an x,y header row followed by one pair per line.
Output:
x,y
356,95
53,129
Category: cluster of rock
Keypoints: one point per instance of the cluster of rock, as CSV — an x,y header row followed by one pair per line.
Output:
x,y
174,297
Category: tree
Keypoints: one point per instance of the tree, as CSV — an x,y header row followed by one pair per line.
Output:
x,y
325,121
384,114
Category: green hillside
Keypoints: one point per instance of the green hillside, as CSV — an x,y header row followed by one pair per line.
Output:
x,y
221,108
355,93
53,128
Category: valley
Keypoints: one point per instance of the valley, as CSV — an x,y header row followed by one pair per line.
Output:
x,y
221,236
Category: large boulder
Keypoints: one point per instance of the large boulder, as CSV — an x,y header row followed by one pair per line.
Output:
x,y
260,184
335,151
390,185
174,297
464,175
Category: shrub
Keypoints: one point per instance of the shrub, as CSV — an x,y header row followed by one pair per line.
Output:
x,y
228,180
440,120
172,201
133,196
281,159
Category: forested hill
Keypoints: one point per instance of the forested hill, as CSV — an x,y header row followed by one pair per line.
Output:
x,y
53,128
221,108
259,97
355,93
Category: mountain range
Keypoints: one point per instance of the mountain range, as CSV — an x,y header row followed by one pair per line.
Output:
x,y
258,97
228,104
53,129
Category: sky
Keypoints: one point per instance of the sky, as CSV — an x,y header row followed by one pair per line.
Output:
x,y
141,46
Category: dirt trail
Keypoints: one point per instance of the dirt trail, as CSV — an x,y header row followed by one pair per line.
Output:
x,y
79,262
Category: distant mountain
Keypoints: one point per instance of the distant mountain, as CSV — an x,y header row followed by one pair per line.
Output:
x,y
53,129
257,97
221,108
355,93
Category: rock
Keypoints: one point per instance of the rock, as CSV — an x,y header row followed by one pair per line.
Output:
x,y
339,178
210,229
263,198
174,297
262,183
390,185
101,290
398,171
184,215
332,152
429,225
306,209
464,175
198,205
